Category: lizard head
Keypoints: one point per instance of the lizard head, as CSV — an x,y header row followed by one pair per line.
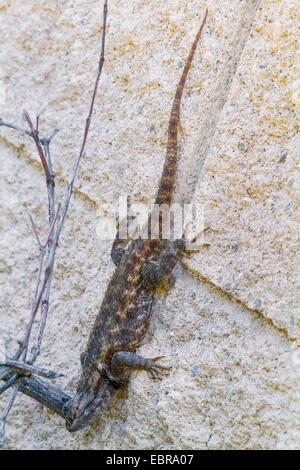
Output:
x,y
85,406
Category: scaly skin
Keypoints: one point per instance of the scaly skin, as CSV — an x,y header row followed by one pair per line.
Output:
x,y
124,316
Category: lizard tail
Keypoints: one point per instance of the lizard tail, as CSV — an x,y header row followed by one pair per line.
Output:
x,y
164,194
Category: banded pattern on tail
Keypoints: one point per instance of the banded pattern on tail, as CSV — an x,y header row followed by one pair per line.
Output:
x,y
164,194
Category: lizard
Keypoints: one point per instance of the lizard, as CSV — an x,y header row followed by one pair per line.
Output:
x,y
124,315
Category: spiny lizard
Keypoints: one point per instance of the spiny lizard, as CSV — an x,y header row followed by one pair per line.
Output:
x,y
125,312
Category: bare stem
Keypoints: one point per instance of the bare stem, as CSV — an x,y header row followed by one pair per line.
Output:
x,y
46,394
3,418
87,125
16,128
27,369
35,135
10,381
35,231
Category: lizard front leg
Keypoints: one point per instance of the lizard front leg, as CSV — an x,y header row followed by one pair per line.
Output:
x,y
187,247
123,361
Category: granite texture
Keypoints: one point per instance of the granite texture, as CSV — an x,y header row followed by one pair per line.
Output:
x,y
229,325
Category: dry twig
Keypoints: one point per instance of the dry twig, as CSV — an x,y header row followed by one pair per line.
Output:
x,y
14,372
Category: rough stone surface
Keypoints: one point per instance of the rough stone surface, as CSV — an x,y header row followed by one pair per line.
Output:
x,y
229,324
248,186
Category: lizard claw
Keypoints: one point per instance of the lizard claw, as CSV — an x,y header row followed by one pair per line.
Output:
x,y
156,370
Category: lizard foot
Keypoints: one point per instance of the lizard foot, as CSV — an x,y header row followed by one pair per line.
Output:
x,y
193,245
123,360
156,370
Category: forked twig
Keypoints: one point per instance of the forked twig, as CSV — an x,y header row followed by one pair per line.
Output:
x,y
28,370
3,418
14,371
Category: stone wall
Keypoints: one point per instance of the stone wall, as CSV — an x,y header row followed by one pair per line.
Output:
x,y
229,326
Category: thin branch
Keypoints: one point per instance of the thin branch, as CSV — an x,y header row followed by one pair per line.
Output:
x,y
35,231
52,226
70,186
41,391
16,128
10,381
45,393
37,123
87,125
35,135
5,413
27,369
43,246
38,297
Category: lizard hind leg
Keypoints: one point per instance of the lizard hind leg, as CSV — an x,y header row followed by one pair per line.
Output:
x,y
157,272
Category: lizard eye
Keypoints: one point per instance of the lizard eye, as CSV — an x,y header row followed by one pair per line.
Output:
x,y
74,410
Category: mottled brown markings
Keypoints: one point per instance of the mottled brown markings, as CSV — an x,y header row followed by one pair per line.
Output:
x,y
164,195
123,319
